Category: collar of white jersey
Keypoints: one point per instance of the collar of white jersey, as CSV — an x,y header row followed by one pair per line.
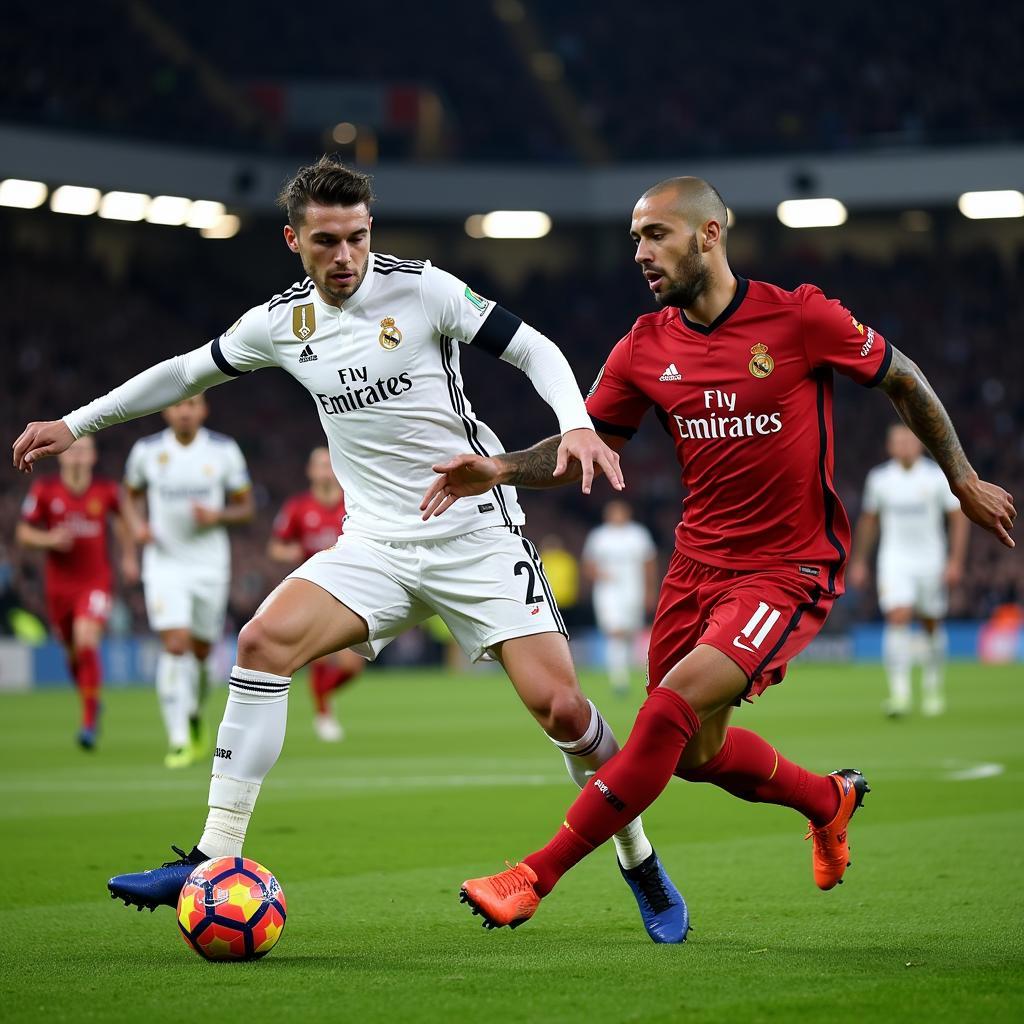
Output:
x,y
355,300
200,436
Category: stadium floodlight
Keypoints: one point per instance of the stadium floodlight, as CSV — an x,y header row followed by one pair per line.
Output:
x,y
124,205
811,213
75,199
26,195
172,210
992,205
205,213
226,227
508,224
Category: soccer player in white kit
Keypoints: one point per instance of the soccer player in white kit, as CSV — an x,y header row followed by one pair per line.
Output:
x,y
620,560
908,508
195,484
375,340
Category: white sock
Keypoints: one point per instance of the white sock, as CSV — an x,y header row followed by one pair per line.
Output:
x,y
897,656
249,742
190,687
618,648
171,690
934,665
583,757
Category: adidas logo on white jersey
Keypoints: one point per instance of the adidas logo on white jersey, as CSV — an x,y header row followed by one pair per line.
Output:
x,y
671,373
307,355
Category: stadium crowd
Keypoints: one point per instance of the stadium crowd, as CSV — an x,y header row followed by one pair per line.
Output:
x,y
953,314
868,75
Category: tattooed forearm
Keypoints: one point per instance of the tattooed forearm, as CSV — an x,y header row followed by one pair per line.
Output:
x,y
919,407
534,466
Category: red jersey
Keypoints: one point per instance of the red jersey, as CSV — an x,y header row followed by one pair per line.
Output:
x,y
314,526
748,403
86,566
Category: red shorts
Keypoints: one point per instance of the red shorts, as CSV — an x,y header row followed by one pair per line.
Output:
x,y
760,620
64,606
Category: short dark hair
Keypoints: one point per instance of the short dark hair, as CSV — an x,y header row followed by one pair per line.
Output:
x,y
326,182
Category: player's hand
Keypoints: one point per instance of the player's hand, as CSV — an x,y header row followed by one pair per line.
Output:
x,y
130,570
989,506
205,517
953,575
459,477
40,440
857,575
143,534
61,539
586,448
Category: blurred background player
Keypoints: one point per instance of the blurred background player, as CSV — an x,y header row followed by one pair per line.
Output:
x,y
66,516
308,523
905,502
562,569
196,484
620,561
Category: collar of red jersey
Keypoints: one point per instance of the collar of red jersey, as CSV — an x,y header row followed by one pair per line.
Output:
x,y
742,284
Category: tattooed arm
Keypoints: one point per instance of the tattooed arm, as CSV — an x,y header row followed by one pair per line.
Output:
x,y
549,463
919,407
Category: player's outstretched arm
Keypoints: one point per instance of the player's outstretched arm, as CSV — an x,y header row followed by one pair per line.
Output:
x,y
549,463
150,391
919,407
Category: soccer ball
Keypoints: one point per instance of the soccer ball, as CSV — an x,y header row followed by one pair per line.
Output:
x,y
231,908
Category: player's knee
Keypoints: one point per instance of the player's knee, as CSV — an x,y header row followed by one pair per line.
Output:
x,y
564,716
176,642
261,648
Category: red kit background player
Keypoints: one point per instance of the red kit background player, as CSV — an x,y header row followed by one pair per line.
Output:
x,y
306,524
66,516
740,375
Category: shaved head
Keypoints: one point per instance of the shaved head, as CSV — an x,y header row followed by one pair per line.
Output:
x,y
693,199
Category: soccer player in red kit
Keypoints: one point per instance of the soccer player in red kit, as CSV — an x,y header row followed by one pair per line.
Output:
x,y
306,524
740,374
66,516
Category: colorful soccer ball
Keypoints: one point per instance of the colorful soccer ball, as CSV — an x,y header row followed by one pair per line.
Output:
x,y
231,908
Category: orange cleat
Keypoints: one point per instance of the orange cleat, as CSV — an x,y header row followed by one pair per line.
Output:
x,y
831,852
507,898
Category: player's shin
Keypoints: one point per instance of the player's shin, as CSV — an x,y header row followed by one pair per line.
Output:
x,y
582,759
88,678
618,648
623,788
933,665
171,691
898,658
249,742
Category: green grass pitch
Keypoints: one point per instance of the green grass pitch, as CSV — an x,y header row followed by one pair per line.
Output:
x,y
444,777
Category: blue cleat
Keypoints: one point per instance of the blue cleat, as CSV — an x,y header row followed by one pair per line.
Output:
x,y
87,738
158,887
662,909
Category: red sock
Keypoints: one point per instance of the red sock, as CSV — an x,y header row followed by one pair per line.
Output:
x,y
339,676
89,681
321,685
752,769
623,788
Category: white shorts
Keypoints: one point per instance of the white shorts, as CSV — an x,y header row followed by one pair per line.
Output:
x,y
903,586
487,586
178,600
617,610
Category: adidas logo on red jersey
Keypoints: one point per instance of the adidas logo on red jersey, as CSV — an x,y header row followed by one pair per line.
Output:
x,y
671,373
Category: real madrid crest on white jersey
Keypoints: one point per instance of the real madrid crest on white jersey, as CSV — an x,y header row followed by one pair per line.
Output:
x,y
383,373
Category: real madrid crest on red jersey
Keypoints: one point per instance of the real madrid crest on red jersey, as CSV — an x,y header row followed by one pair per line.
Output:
x,y
761,364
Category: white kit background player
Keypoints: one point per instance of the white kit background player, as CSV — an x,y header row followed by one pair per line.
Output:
x,y
375,340
195,484
908,508
620,561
